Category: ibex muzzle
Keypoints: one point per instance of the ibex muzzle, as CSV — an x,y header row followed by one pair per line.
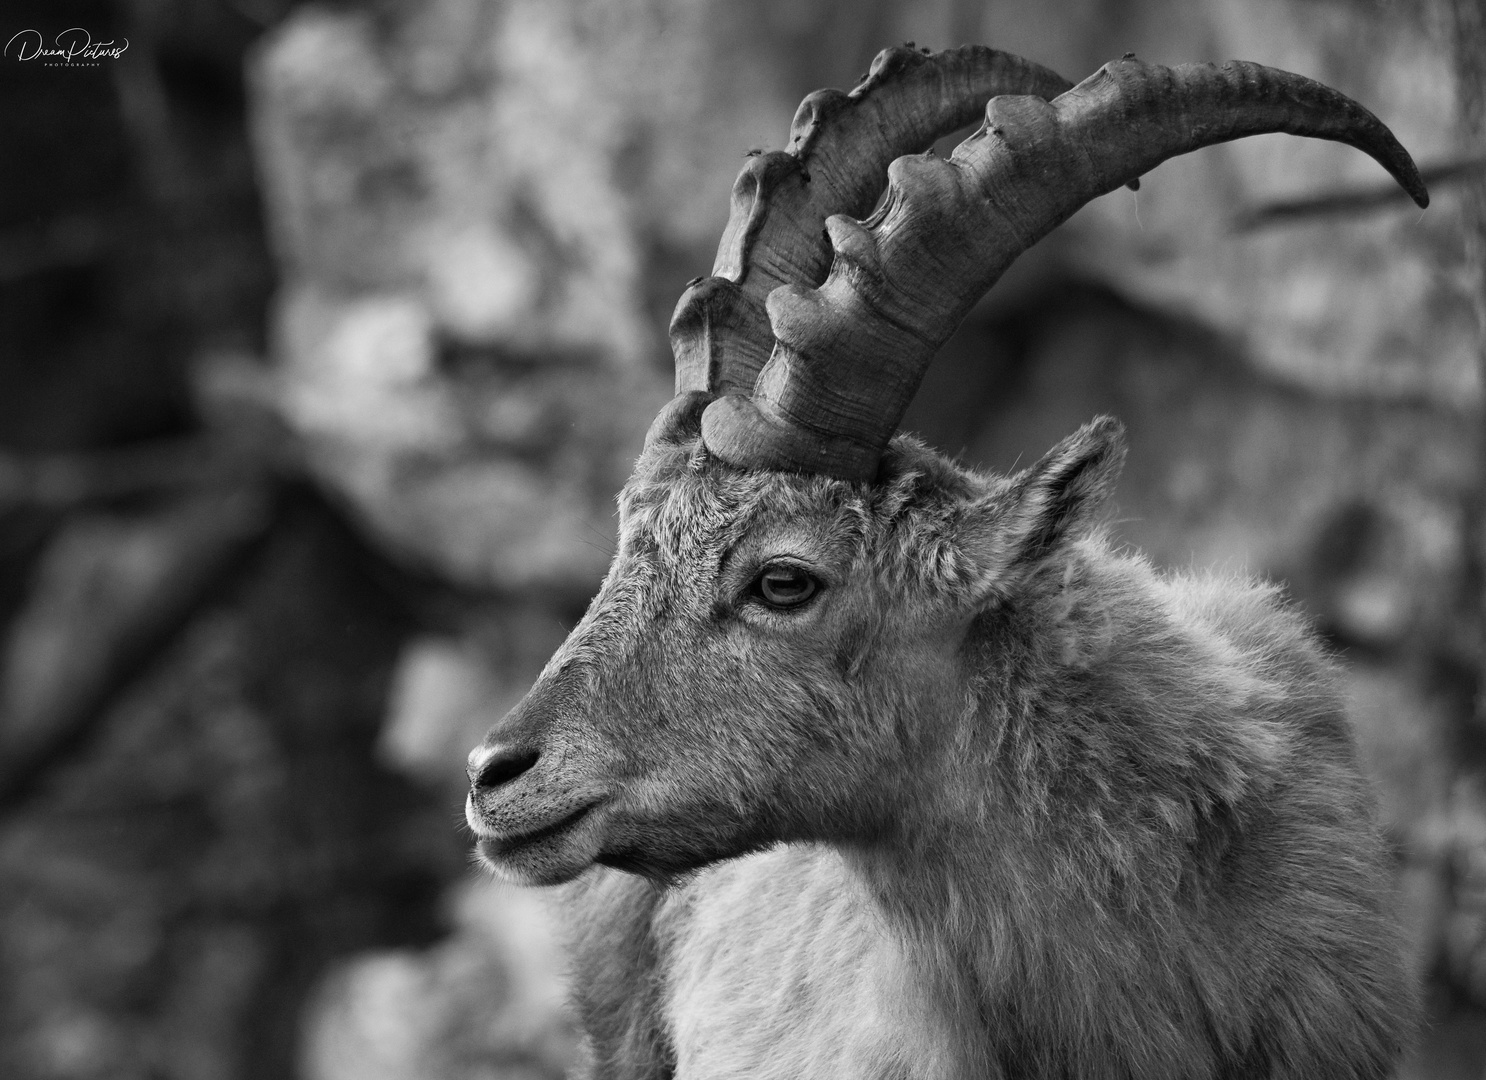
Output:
x,y
1000,799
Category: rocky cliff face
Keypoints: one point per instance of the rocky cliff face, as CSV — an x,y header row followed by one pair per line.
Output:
x,y
484,212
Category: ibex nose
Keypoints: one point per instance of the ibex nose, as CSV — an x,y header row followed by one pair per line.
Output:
x,y
492,766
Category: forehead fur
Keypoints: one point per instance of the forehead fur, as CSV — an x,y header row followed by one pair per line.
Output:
x,y
683,500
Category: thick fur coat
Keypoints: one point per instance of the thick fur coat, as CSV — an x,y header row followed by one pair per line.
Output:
x,y
998,800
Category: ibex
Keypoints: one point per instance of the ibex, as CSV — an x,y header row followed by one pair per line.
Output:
x,y
865,764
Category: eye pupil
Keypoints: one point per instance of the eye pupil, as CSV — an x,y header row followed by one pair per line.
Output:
x,y
785,586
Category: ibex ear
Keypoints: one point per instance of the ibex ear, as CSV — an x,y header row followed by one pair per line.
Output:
x,y
1062,493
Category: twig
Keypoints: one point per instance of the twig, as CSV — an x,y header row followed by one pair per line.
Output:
x,y
1354,199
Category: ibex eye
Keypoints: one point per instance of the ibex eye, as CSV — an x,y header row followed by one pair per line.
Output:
x,y
785,586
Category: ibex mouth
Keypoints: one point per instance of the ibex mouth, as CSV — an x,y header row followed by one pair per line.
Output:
x,y
497,851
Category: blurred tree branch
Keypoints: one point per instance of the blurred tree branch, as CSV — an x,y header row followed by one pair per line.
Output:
x,y
68,240
213,501
65,480
207,549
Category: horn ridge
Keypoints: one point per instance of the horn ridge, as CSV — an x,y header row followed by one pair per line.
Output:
x,y
840,147
850,353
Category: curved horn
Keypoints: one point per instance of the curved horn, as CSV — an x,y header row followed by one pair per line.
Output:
x,y
840,147
851,353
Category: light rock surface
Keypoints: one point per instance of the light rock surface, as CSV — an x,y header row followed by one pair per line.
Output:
x,y
484,212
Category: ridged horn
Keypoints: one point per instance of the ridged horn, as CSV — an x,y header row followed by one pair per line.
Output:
x,y
850,354
840,147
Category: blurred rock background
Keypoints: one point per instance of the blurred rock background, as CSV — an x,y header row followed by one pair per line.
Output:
x,y
328,333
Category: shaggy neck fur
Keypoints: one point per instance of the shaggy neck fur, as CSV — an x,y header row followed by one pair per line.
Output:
x,y
1073,835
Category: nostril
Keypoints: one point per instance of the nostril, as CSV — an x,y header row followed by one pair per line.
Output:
x,y
501,766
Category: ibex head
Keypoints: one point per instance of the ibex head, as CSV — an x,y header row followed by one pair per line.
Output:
x,y
780,649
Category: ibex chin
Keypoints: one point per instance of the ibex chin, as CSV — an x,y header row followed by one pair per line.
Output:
x,y
863,764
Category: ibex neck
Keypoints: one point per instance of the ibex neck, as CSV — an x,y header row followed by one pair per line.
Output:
x,y
955,900
1062,838
1000,923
